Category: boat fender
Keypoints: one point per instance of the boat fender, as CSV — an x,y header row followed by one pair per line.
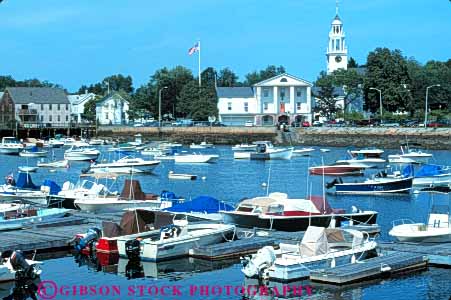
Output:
x,y
333,263
353,259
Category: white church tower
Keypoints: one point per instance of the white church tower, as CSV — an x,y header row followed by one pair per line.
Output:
x,y
337,51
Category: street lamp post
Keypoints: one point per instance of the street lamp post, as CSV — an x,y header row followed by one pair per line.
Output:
x,y
380,99
426,104
159,105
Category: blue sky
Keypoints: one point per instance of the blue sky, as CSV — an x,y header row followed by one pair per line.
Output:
x,y
81,42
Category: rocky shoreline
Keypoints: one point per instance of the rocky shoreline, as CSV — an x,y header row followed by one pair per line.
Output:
x,y
429,138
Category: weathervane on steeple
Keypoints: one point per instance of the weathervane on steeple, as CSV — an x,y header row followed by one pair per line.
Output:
x,y
336,7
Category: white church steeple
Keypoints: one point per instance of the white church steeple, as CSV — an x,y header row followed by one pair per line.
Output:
x,y
337,51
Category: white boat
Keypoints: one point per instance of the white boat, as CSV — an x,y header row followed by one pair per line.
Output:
x,y
399,160
303,151
10,145
324,150
81,153
34,152
320,248
195,158
53,164
264,151
369,161
54,143
178,239
27,169
27,217
131,196
127,165
244,147
417,156
138,140
437,230
8,273
152,151
195,146
173,175
96,142
367,153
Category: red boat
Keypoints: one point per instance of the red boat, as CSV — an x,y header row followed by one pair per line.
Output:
x,y
338,170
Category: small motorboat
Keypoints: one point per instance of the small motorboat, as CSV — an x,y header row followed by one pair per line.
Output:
x,y
417,156
303,151
376,185
195,146
96,142
244,147
370,161
175,240
23,217
324,150
367,153
278,212
265,151
10,145
320,248
34,152
27,169
201,208
432,175
55,143
195,158
172,175
338,170
81,153
127,165
53,164
437,230
15,261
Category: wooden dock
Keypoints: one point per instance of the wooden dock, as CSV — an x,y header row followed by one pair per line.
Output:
x,y
52,235
371,268
438,254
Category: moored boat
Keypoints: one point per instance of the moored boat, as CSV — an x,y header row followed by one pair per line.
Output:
x,y
172,175
372,186
11,146
127,165
81,153
195,158
265,151
33,152
338,170
277,211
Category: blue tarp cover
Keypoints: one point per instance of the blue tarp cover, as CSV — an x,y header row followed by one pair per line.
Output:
x,y
54,188
408,171
430,170
24,182
201,204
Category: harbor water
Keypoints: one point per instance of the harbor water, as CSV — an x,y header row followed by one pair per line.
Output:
x,y
231,180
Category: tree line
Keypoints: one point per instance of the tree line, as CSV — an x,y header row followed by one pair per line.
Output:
x,y
402,83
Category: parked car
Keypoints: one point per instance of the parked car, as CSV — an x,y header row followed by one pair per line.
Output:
x,y
437,124
305,124
317,124
249,124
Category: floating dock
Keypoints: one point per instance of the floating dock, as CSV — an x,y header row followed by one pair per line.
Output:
x,y
438,254
371,268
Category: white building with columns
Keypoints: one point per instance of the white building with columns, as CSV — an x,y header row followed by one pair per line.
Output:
x,y
283,98
337,50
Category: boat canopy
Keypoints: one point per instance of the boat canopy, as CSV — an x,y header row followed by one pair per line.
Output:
x,y
135,221
408,171
430,170
54,188
203,204
24,181
132,191
316,240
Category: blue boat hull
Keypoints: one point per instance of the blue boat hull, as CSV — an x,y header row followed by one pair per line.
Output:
x,y
395,186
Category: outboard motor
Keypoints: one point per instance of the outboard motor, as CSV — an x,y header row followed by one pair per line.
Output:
x,y
133,249
91,236
24,271
256,265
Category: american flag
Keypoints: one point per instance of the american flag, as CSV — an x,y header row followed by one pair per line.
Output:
x,y
194,49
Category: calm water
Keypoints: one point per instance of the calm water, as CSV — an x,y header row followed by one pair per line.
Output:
x,y
231,180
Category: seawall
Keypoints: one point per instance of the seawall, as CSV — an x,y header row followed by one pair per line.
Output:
x,y
429,138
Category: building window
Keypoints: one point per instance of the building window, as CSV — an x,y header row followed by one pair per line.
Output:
x,y
42,107
265,106
67,106
298,92
265,93
67,117
337,44
282,93
50,118
59,118
58,107
298,105
283,80
106,116
50,106
42,119
229,106
246,106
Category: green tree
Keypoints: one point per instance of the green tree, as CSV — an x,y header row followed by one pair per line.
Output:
x,y
197,102
351,82
208,77
352,63
270,71
387,70
326,104
227,78
117,83
89,111
6,81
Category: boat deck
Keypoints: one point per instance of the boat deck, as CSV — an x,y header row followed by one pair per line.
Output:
x,y
371,268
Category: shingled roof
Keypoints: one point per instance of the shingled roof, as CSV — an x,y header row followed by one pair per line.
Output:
x,y
37,95
235,92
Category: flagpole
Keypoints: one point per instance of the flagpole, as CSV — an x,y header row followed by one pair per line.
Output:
x,y
200,80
